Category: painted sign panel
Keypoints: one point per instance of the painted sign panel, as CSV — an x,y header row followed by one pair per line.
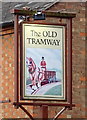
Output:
x,y
43,65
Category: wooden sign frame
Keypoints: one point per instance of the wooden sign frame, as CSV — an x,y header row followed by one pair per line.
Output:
x,y
19,101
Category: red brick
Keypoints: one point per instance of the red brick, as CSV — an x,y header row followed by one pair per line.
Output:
x,y
83,79
83,34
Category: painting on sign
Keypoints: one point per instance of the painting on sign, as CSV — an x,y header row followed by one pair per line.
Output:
x,y
43,61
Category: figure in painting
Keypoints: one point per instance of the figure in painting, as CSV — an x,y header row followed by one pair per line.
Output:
x,y
43,64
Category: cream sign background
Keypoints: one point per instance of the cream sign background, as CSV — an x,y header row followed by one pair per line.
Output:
x,y
44,41
43,36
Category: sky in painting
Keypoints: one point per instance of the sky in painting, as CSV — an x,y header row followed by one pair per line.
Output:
x,y
53,58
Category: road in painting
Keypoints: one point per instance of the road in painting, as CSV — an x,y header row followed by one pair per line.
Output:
x,y
44,71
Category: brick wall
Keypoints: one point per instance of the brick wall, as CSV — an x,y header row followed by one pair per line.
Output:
x,y
7,110
78,71
0,71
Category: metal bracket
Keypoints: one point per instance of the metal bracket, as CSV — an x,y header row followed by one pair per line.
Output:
x,y
5,101
26,112
44,109
59,113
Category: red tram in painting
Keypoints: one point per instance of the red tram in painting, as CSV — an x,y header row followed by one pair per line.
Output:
x,y
49,76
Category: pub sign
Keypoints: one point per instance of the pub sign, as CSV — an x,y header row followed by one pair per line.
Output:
x,y
43,61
